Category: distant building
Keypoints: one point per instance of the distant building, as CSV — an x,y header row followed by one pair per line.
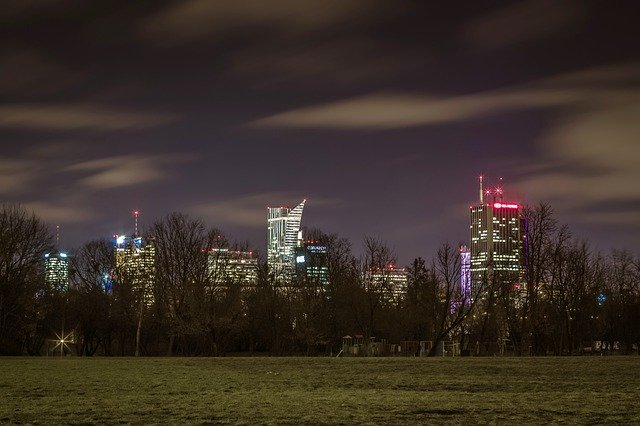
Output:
x,y
496,238
390,280
311,262
135,264
56,270
232,267
283,238
465,274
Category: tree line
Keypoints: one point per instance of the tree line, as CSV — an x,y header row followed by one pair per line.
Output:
x,y
567,297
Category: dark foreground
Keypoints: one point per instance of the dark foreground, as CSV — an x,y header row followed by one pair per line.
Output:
x,y
320,390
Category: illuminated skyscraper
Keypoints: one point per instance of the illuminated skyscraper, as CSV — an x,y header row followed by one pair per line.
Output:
x,y
311,262
232,267
391,281
465,274
284,236
135,265
496,238
56,267
56,270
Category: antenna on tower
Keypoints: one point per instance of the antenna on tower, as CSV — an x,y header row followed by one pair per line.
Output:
x,y
481,190
136,214
58,237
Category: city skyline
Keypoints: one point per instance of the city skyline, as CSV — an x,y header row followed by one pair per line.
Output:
x,y
381,116
491,199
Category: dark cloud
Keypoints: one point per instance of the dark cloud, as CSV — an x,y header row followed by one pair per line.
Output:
x,y
15,175
17,9
335,62
396,110
382,113
525,21
62,212
246,210
125,170
77,117
30,73
189,20
390,110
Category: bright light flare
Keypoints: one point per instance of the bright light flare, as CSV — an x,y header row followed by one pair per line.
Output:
x,y
62,340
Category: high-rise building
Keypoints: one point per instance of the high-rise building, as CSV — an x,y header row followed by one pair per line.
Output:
x,y
232,267
496,238
311,262
390,280
56,270
465,274
135,264
283,238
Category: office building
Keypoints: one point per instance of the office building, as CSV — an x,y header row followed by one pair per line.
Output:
x,y
311,263
390,280
465,274
496,238
283,237
135,265
56,270
231,267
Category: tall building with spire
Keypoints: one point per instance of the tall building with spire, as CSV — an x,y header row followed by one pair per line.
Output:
x,y
283,238
135,262
56,267
497,236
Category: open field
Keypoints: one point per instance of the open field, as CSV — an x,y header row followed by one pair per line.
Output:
x,y
320,390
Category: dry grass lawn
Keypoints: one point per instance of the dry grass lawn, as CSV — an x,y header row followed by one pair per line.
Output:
x,y
320,390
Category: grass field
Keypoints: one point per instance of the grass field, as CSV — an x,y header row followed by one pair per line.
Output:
x,y
320,390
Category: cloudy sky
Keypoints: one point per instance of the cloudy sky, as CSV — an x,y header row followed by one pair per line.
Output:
x,y
381,113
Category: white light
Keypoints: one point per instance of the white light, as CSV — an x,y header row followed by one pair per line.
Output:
x,y
300,259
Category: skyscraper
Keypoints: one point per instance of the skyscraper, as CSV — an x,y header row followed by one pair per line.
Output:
x,y
56,267
56,270
232,267
311,262
465,274
496,238
283,238
135,264
390,280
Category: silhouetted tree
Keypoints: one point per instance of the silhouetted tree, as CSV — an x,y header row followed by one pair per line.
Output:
x,y
23,242
181,278
94,312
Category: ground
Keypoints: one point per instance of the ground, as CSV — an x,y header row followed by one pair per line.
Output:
x,y
320,390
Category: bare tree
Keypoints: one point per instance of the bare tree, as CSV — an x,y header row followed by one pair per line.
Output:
x,y
181,273
421,300
91,304
621,307
524,318
23,241
367,303
451,305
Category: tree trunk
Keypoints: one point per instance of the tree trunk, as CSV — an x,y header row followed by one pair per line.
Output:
x,y
170,348
139,328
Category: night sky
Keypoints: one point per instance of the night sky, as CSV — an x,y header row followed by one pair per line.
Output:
x,y
381,113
